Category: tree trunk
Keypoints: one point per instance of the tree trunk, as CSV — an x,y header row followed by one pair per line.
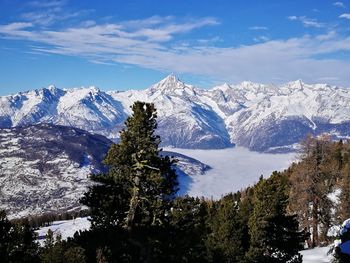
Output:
x,y
315,239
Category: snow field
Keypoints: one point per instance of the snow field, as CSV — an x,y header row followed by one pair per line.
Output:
x,y
65,228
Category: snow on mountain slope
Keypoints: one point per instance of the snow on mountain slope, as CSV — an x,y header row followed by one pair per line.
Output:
x,y
183,119
278,117
46,167
260,117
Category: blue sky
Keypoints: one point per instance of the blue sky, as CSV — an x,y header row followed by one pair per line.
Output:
x,y
133,44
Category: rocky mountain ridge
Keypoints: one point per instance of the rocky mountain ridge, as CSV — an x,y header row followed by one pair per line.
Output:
x,y
261,117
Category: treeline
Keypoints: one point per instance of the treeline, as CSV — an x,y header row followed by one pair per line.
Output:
x,y
248,226
136,215
46,219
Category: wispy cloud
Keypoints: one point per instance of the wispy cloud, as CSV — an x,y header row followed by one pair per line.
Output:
x,y
339,4
46,13
307,22
346,16
47,4
261,39
155,44
210,41
258,28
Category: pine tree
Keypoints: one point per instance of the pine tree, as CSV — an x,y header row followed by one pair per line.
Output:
x,y
24,247
17,241
228,230
75,255
5,239
53,251
134,195
139,182
274,234
186,233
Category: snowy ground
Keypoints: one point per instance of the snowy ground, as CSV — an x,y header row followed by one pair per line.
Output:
x,y
233,169
66,228
316,255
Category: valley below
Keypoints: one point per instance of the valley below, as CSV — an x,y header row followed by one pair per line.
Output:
x,y
232,169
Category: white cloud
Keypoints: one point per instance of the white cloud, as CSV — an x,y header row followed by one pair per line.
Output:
x,y
48,3
258,28
339,4
49,12
329,35
307,22
346,16
155,46
210,41
261,39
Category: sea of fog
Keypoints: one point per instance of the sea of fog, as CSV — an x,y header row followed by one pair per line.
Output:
x,y
232,170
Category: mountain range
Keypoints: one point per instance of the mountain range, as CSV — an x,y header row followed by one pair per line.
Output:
x,y
265,118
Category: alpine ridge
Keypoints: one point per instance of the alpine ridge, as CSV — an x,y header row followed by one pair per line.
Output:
x,y
267,118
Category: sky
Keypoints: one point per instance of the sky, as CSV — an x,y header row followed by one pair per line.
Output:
x,y
121,45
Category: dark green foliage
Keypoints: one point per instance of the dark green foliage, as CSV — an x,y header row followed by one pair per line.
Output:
x,y
187,231
53,249
17,242
5,239
56,250
139,182
274,234
133,199
228,238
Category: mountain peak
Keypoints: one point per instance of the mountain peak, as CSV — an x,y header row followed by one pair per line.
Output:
x,y
171,82
170,79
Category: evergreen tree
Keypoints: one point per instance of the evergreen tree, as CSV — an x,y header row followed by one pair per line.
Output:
x,y
75,255
134,195
52,252
274,234
187,231
228,230
24,247
5,239
17,241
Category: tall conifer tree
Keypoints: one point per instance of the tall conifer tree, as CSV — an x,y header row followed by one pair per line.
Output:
x,y
134,195
274,234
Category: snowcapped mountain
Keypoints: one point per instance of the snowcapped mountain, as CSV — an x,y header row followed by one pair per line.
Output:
x,y
260,117
46,167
